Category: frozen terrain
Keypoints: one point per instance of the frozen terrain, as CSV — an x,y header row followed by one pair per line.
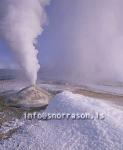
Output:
x,y
112,89
103,130
70,134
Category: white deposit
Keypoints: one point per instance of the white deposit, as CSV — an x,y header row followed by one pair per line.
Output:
x,y
89,134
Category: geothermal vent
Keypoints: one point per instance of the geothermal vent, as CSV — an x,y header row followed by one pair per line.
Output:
x,y
30,97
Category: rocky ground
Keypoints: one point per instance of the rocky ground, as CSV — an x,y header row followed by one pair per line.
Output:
x,y
11,118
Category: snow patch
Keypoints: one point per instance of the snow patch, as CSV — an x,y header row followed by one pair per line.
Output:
x,y
72,134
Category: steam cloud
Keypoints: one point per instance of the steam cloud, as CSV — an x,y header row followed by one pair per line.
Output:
x,y
89,37
21,22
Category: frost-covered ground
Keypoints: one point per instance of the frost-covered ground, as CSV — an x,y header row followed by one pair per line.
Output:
x,y
112,89
70,134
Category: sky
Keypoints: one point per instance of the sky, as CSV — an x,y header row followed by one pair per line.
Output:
x,y
82,41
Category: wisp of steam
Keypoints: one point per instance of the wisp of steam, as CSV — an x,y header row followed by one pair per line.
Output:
x,y
21,22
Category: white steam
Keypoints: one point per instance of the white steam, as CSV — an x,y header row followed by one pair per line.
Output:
x,y
87,44
21,22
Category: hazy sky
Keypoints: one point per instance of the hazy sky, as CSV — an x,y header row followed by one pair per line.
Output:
x,y
83,40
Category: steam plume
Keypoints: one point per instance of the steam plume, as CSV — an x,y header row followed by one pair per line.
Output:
x,y
89,36
21,22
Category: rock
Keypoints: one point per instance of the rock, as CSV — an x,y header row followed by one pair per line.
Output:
x,y
29,97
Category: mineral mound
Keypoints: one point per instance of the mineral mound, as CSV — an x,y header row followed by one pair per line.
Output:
x,y
29,97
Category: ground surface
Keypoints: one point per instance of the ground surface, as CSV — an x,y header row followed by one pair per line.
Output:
x,y
19,133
